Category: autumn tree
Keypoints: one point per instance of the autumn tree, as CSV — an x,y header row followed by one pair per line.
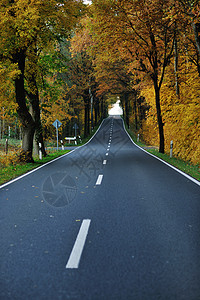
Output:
x,y
144,32
114,77
24,24
190,10
82,74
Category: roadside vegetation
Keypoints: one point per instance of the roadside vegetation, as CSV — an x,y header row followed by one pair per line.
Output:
x,y
187,167
71,63
11,166
14,170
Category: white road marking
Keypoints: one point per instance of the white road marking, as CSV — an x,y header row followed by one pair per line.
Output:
x,y
106,154
99,179
104,162
164,162
50,162
77,250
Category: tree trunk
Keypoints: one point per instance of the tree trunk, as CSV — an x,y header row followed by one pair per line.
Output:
x,y
196,35
122,104
35,112
96,111
87,116
176,67
102,108
135,111
159,118
157,87
86,121
126,108
27,122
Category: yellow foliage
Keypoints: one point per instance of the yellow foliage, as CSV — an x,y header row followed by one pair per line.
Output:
x,y
11,158
8,106
180,115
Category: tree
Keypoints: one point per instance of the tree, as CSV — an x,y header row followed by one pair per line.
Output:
x,y
80,71
32,94
144,32
82,74
22,25
190,10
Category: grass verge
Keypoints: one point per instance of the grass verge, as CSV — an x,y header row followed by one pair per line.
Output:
x,y
12,171
186,167
192,170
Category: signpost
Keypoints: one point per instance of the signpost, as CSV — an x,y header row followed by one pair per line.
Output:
x,y
75,127
57,124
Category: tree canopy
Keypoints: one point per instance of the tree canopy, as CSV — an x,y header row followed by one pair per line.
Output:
x,y
67,59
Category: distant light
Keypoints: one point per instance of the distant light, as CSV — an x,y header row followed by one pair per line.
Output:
x,y
116,110
87,1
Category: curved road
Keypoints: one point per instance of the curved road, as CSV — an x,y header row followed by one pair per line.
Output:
x,y
107,221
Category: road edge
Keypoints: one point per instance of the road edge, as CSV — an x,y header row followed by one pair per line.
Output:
x,y
163,161
53,160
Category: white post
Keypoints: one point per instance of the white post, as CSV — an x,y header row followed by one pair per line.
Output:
x,y
62,144
40,151
171,149
138,137
6,147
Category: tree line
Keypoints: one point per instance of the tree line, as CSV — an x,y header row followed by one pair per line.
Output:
x,y
39,77
149,52
66,60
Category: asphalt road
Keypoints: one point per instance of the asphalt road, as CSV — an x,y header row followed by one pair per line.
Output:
x,y
107,221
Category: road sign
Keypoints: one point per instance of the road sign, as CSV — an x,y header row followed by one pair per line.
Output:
x,y
75,126
57,123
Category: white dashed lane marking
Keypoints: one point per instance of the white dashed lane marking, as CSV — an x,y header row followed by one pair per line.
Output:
x,y
99,179
77,250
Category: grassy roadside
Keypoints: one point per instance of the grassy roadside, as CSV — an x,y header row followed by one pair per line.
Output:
x,y
186,167
12,171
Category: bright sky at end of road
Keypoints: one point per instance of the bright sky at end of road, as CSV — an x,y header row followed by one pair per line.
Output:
x,y
87,2
116,109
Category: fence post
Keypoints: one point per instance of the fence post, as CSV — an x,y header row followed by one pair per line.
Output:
x,y
40,151
171,149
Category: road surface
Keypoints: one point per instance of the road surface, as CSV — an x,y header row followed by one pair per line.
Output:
x,y
107,221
